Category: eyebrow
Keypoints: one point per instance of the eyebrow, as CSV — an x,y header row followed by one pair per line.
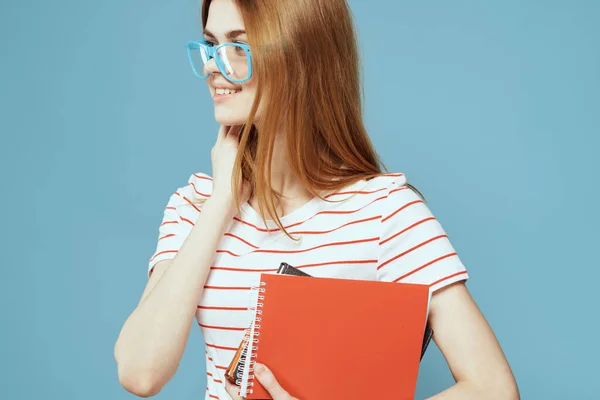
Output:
x,y
229,35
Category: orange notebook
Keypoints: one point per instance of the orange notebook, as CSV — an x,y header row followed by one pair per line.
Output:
x,y
332,338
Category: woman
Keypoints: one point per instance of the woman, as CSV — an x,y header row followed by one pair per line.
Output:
x,y
292,148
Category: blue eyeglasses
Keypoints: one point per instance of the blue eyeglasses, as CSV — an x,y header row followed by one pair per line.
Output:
x,y
233,59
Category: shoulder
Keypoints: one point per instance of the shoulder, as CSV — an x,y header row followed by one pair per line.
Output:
x,y
371,194
394,192
389,181
198,188
386,185
199,185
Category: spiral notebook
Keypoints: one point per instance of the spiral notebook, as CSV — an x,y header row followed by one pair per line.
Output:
x,y
332,338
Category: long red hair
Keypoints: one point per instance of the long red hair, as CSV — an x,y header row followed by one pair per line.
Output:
x,y
305,58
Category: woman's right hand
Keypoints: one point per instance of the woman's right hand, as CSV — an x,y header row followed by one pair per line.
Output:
x,y
223,156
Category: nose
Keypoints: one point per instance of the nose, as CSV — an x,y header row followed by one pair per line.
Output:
x,y
210,67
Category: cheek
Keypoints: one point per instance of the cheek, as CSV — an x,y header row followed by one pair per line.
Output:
x,y
249,94
247,97
249,88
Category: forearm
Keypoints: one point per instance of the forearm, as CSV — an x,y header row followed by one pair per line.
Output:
x,y
463,390
460,390
153,338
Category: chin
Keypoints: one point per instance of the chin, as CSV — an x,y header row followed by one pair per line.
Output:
x,y
226,117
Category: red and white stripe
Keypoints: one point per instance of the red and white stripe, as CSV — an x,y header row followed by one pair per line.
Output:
x,y
382,230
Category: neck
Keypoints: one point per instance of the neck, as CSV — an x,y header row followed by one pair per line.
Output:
x,y
284,180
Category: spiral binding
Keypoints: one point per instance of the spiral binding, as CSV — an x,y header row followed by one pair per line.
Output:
x,y
248,357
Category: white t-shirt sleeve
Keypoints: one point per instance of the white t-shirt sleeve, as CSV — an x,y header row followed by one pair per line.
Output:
x,y
413,246
179,216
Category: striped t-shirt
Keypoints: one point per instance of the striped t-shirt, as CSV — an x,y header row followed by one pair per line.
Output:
x,y
382,230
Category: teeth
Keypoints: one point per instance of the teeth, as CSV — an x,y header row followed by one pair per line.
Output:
x,y
225,91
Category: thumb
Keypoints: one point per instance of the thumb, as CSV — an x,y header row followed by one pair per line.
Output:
x,y
267,379
223,129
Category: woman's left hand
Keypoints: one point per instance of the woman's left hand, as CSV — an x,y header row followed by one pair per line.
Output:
x,y
267,379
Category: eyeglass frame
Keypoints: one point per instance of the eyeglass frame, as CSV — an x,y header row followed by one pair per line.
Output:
x,y
211,51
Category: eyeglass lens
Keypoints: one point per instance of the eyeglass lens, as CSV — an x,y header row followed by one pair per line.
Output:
x,y
233,60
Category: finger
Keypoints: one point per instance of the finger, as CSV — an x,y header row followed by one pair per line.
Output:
x,y
232,390
223,129
267,379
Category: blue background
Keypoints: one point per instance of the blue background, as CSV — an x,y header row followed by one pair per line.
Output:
x,y
492,109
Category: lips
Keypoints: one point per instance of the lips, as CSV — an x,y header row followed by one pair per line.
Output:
x,y
225,85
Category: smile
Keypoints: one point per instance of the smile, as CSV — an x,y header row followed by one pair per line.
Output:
x,y
221,92
222,95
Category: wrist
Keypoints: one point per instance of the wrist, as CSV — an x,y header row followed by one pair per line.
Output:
x,y
222,204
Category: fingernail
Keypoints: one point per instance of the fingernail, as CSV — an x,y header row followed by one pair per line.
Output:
x,y
259,368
